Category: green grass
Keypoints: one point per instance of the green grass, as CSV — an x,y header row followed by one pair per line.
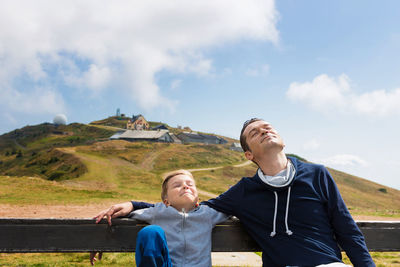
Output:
x,y
127,259
36,191
364,197
381,259
218,181
64,259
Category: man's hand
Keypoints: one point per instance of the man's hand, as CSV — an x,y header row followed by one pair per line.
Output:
x,y
114,211
93,257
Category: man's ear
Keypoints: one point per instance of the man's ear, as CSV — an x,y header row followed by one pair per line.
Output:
x,y
248,155
166,203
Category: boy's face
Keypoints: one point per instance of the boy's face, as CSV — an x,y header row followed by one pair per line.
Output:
x,y
181,192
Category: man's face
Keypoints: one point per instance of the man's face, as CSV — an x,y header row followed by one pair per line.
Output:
x,y
181,191
261,138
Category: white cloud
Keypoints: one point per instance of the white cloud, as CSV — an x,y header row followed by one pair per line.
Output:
x,y
227,71
38,100
327,94
175,84
259,71
344,160
322,92
379,102
94,43
95,78
311,145
9,118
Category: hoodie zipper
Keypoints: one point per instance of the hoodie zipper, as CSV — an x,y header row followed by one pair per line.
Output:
x,y
184,237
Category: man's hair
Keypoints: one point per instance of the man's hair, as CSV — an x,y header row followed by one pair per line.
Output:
x,y
243,141
168,177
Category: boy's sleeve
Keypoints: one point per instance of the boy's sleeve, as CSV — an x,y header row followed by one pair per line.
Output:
x,y
146,215
141,205
217,217
346,230
227,202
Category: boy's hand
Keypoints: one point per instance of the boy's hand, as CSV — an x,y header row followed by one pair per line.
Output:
x,y
114,211
93,257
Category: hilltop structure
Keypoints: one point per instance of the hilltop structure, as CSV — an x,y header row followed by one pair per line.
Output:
x,y
60,119
153,136
137,123
138,129
160,127
194,137
236,147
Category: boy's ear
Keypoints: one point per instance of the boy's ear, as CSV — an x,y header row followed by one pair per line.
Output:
x,y
166,203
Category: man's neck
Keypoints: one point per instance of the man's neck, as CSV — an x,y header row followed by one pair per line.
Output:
x,y
272,164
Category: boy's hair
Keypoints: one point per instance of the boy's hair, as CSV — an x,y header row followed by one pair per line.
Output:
x,y
243,142
168,177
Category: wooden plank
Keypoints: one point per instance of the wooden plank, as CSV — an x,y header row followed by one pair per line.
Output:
x,y
230,236
59,235
83,235
381,236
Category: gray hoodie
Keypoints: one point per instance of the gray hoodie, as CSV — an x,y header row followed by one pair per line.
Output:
x,y
188,233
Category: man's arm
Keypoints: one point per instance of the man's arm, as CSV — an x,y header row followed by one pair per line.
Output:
x,y
228,202
346,230
141,205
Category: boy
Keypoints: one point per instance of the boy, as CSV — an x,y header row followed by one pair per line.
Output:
x,y
187,226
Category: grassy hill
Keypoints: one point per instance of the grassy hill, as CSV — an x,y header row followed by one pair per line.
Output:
x,y
33,150
76,164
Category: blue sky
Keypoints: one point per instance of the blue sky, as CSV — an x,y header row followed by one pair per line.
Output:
x,y
326,74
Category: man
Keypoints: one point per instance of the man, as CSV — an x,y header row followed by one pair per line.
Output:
x,y
292,209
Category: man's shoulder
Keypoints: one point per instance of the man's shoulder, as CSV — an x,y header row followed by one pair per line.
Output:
x,y
301,165
248,181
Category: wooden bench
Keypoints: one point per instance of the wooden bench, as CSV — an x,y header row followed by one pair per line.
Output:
x,y
83,235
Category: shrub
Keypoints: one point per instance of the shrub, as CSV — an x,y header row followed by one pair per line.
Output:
x,y
56,175
383,190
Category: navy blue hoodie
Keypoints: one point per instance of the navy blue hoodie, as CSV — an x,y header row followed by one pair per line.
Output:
x,y
317,218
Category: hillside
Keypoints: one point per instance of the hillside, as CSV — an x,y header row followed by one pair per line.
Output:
x,y
76,164
33,151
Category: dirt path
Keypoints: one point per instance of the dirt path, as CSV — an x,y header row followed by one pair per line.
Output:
x,y
220,167
88,211
51,211
205,193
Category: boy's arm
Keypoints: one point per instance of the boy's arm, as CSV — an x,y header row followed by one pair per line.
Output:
x,y
146,214
217,217
346,230
114,211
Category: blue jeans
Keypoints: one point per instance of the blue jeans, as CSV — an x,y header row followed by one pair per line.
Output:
x,y
151,248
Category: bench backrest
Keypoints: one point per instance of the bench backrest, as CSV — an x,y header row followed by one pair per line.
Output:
x,y
83,235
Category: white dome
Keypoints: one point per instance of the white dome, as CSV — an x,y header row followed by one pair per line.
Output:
x,y
60,119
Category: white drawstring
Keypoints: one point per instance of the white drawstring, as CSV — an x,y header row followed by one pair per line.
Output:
x,y
273,233
288,232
